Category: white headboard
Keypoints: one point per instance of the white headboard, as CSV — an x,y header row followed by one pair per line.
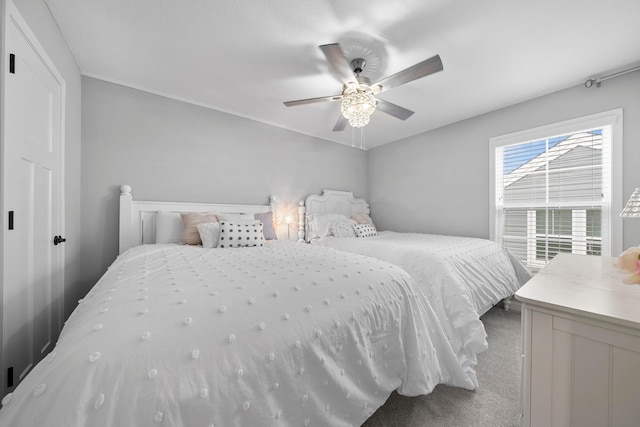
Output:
x,y
333,202
138,219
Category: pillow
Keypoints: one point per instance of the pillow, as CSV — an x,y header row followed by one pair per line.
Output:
x,y
190,220
365,230
209,234
342,228
319,224
169,227
241,234
235,216
269,229
362,219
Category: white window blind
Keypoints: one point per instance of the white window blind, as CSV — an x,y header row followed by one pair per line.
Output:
x,y
553,193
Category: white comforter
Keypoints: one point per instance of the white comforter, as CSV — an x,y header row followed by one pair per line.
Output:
x,y
459,275
287,335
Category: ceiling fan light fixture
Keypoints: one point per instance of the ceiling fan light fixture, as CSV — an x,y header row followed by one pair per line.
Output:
x,y
358,106
358,98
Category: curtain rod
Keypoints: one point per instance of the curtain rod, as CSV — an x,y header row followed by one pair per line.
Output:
x,y
598,80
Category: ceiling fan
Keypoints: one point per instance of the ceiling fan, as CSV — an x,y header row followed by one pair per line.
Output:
x,y
358,99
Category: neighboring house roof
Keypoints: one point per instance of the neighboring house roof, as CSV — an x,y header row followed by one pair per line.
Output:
x,y
577,140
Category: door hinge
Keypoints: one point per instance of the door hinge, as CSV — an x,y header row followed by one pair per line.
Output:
x,y
10,376
12,63
10,220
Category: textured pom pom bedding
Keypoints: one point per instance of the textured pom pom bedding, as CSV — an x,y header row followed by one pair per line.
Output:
x,y
286,334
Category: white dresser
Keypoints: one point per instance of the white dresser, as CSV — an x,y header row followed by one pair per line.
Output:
x,y
581,345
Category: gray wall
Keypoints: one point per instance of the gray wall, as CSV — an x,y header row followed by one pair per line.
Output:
x,y
39,19
427,183
172,151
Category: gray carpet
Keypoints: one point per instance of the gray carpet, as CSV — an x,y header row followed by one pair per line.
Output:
x,y
493,404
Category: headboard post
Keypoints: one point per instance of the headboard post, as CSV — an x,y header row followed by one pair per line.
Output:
x,y
274,205
125,218
301,221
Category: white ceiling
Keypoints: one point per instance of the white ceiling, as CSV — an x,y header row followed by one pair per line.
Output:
x,y
246,57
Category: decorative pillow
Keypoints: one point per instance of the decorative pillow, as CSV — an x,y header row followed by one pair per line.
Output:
x,y
209,234
362,219
366,230
241,234
190,220
342,228
169,227
269,229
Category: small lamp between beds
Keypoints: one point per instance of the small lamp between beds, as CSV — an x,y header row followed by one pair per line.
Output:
x,y
288,220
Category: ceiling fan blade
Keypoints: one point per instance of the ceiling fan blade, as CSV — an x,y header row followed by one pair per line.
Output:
x,y
312,100
421,69
336,58
341,124
393,109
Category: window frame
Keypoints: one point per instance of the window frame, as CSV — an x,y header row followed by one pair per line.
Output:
x,y
611,118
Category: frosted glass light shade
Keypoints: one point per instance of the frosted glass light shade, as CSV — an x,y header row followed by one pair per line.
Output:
x,y
357,107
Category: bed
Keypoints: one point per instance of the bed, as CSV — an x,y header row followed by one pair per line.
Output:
x,y
282,333
462,277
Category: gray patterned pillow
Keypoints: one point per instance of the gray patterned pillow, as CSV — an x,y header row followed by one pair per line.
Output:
x,y
241,234
366,230
342,228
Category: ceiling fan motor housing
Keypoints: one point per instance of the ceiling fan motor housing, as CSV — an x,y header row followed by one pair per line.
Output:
x,y
357,65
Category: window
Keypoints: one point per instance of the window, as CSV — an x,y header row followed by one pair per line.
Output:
x,y
554,189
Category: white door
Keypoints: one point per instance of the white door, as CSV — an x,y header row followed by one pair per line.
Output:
x,y
32,200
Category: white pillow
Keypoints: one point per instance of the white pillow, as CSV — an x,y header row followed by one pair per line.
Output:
x,y
235,216
319,224
342,228
169,227
365,230
209,234
241,234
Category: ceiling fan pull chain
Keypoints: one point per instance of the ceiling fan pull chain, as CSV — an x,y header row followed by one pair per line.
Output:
x,y
353,136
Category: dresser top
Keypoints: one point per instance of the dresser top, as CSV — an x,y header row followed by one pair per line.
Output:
x,y
586,285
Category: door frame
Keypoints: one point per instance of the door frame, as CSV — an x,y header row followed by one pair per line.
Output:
x,y
8,13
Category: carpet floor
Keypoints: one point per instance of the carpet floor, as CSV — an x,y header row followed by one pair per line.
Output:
x,y
493,404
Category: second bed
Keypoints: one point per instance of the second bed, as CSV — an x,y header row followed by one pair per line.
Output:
x,y
462,277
